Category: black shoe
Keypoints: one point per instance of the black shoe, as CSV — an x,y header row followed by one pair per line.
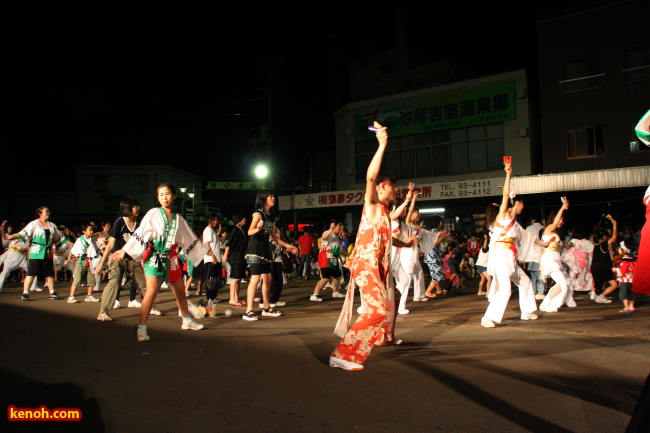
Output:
x,y
54,296
25,297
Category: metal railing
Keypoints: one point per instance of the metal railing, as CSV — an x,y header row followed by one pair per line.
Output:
x,y
582,83
635,74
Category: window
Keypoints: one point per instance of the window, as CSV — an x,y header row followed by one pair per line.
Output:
x,y
637,58
586,142
585,68
453,151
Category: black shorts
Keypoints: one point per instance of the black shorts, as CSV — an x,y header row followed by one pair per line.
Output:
x,y
260,268
601,276
238,270
36,266
330,273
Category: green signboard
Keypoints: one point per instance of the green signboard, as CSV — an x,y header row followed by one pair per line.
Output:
x,y
457,109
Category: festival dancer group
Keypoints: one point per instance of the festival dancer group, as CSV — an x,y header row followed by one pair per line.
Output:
x,y
148,254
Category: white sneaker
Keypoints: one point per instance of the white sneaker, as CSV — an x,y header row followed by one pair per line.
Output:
x,y
345,365
602,300
72,300
134,304
191,324
328,286
155,312
36,289
141,333
117,305
338,295
592,295
528,316
315,298
164,285
278,304
421,299
487,323
91,298
271,312
403,312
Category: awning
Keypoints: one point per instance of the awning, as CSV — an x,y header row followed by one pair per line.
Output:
x,y
537,184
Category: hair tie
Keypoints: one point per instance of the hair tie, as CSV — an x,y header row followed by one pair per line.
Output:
x,y
383,183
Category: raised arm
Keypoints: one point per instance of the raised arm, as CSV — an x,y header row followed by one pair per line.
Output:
x,y
558,217
408,215
506,189
375,166
395,213
614,230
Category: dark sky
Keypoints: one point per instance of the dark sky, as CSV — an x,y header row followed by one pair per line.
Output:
x,y
188,86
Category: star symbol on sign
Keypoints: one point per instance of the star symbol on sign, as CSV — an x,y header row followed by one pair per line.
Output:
x,y
310,201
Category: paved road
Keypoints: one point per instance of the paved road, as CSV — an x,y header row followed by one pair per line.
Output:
x,y
579,370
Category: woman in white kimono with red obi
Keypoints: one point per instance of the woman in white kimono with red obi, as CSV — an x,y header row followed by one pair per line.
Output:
x,y
156,241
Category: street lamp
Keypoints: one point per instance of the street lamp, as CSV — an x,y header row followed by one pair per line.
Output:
x,y
261,171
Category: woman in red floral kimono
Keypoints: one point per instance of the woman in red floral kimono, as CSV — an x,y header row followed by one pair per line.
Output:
x,y
370,266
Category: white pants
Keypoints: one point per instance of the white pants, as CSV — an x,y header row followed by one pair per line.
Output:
x,y
12,262
565,296
500,292
404,283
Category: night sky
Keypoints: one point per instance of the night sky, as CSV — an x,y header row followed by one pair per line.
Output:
x,y
187,87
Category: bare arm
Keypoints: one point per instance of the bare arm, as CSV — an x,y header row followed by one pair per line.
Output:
x,y
614,231
405,244
506,191
279,241
408,215
395,213
256,225
328,232
558,217
371,202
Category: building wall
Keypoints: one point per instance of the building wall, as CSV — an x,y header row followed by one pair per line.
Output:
x,y
516,132
598,40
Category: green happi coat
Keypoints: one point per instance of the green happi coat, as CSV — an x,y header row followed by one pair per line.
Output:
x,y
40,246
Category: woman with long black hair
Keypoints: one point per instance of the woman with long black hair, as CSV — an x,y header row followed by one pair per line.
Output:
x,y
258,254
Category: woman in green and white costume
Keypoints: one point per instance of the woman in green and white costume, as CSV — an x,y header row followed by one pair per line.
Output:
x,y
156,242
41,234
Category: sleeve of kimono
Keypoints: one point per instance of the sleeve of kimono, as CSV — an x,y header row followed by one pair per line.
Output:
x,y
529,251
194,249
28,232
56,235
137,244
77,249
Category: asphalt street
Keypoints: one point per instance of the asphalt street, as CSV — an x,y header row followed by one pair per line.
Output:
x,y
578,370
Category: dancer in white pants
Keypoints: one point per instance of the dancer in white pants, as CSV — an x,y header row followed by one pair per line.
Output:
x,y
410,269
502,261
551,264
14,259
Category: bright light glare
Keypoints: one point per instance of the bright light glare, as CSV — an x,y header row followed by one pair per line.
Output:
x,y
261,171
433,210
